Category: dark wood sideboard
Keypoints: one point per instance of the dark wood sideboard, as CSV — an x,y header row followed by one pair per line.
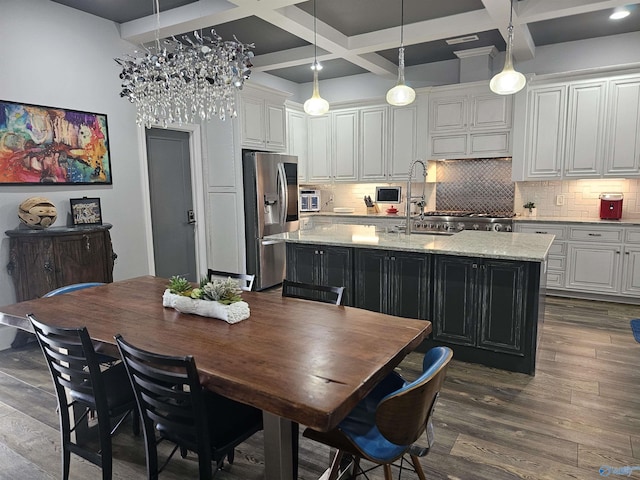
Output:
x,y
43,260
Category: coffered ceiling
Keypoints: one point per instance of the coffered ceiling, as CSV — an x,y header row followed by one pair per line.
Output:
x,y
359,36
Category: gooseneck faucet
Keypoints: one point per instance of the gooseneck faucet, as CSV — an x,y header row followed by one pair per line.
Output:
x,y
410,198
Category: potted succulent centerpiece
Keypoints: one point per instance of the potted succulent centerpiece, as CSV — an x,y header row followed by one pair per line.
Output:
x,y
217,299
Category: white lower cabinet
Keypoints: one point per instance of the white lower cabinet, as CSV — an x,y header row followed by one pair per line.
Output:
x,y
631,271
593,267
557,260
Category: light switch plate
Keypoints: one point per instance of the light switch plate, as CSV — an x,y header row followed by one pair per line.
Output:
x,y
559,200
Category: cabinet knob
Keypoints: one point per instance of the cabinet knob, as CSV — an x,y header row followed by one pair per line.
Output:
x,y
87,242
626,253
48,267
541,232
475,265
11,267
594,234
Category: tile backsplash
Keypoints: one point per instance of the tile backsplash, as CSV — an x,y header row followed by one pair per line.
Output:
x,y
579,198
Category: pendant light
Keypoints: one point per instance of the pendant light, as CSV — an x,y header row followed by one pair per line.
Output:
x,y
508,81
316,105
401,94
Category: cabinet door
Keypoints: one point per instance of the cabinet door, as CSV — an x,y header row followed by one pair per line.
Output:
x,y
455,305
449,146
275,127
336,269
631,271
81,258
593,267
370,282
409,285
373,143
404,141
585,130
490,144
545,132
501,325
345,145
623,136
301,263
448,113
252,122
319,153
297,141
33,266
491,112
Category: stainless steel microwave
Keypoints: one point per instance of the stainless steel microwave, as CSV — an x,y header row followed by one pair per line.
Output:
x,y
310,201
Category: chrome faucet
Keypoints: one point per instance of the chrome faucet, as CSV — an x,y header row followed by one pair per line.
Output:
x,y
410,198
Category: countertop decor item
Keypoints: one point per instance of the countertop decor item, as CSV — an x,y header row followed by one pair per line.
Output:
x,y
508,81
531,209
185,80
216,299
316,105
37,212
343,209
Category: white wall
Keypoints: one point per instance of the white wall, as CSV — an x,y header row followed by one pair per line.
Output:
x,y
56,56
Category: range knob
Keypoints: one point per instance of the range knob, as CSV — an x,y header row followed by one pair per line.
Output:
x,y
476,226
497,227
460,226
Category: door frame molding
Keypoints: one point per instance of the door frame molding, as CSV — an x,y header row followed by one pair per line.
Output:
x,y
197,194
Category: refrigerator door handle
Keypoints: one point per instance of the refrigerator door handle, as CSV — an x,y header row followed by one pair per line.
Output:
x,y
282,189
271,242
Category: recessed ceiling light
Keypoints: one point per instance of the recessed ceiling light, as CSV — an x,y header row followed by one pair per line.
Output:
x,y
468,38
619,12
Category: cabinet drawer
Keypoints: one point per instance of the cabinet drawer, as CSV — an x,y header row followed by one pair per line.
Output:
x,y
595,234
555,279
558,248
449,145
556,263
632,235
544,228
490,142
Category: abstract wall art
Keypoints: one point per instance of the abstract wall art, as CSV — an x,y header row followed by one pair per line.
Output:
x,y
56,146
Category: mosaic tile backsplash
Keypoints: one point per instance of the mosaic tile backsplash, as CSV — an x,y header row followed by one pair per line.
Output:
x,y
480,185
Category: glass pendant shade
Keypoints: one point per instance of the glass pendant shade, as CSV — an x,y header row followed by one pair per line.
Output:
x,y
316,105
508,81
401,94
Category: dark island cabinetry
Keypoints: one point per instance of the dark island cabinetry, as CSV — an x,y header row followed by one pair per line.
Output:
x,y
487,311
322,265
393,282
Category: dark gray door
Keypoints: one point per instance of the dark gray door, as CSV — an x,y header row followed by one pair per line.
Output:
x,y
172,218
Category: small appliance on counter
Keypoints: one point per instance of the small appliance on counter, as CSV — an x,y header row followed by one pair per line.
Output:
x,y
310,200
611,206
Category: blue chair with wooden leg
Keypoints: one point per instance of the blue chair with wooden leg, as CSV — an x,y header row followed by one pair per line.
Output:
x,y
385,425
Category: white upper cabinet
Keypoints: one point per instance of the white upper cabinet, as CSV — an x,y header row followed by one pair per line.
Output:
x,y
585,129
467,121
404,141
623,149
319,149
346,145
297,141
373,146
262,119
579,127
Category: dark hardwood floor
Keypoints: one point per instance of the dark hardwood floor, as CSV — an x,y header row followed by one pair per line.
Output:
x,y
581,411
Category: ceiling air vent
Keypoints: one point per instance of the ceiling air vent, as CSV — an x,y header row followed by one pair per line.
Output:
x,y
456,41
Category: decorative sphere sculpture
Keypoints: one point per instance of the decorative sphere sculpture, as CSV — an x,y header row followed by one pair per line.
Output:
x,y
37,212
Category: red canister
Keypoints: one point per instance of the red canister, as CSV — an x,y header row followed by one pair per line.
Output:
x,y
611,206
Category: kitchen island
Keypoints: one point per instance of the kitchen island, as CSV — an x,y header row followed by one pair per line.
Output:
x,y
483,291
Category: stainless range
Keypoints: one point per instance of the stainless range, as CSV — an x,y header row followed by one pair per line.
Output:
x,y
448,223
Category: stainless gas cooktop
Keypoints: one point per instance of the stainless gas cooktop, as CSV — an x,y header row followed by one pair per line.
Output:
x,y
450,222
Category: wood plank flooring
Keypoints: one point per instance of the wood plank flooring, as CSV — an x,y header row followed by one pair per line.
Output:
x,y
579,412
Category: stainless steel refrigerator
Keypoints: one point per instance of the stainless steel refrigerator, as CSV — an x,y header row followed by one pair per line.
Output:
x,y
270,206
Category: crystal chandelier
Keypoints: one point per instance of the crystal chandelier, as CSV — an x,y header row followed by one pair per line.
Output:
x,y
508,81
178,81
401,94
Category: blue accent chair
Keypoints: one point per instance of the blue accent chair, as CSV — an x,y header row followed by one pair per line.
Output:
x,y
383,427
72,288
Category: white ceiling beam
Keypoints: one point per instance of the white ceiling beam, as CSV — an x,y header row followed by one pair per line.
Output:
x,y
499,11
538,10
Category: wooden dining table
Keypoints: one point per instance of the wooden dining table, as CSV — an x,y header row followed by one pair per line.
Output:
x,y
296,360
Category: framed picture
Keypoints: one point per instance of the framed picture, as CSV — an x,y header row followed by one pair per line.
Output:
x,y
86,211
53,146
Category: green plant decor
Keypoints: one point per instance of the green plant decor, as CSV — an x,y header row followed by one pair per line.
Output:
x,y
530,206
226,291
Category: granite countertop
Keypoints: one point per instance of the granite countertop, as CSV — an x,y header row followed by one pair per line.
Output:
x,y
502,245
623,222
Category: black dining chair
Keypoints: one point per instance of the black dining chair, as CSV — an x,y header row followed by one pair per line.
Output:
x,y
385,425
175,407
245,280
81,384
308,291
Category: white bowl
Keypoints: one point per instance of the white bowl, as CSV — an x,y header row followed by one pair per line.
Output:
x,y
343,210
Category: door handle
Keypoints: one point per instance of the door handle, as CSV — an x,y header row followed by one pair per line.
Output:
x,y
271,242
191,217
